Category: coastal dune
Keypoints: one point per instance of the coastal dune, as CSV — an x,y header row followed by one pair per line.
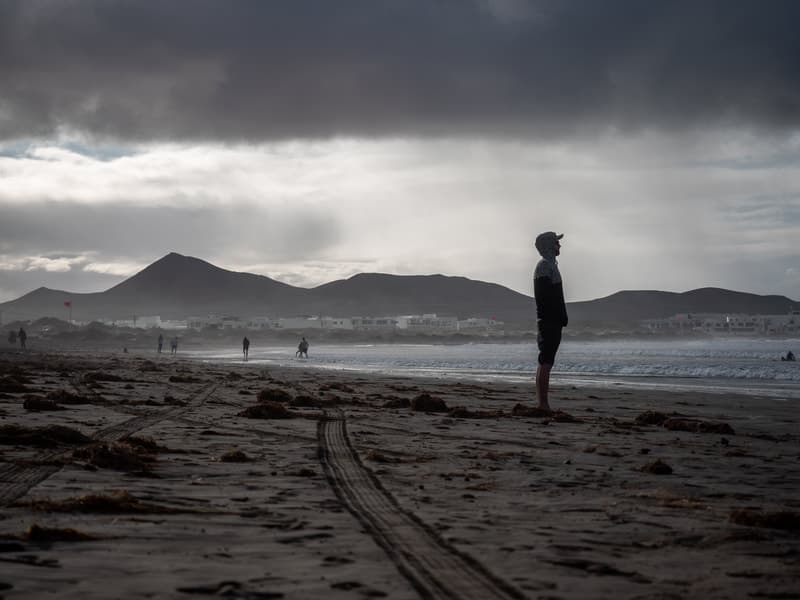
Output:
x,y
156,476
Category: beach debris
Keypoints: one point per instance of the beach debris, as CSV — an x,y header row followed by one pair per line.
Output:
x,y
267,410
117,502
149,365
697,426
94,376
228,589
397,403
184,379
43,437
118,456
462,412
39,403
36,533
651,417
234,456
273,394
427,403
657,467
784,519
379,457
520,410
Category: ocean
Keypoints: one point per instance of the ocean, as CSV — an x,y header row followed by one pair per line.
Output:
x,y
750,366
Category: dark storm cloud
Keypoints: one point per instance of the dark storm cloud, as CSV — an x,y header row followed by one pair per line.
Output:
x,y
252,70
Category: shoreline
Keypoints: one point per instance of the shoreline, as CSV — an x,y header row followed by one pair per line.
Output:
x,y
570,505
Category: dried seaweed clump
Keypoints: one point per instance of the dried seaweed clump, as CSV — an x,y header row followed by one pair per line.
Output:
x,y
651,417
42,437
37,533
267,410
698,426
118,502
101,376
234,456
462,412
39,404
657,467
785,519
274,394
184,379
117,456
427,403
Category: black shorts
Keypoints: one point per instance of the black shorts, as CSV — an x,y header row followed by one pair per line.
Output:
x,y
548,339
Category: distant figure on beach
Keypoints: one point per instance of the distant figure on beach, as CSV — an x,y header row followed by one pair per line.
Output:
x,y
302,349
551,310
160,342
789,356
22,337
12,337
174,345
245,347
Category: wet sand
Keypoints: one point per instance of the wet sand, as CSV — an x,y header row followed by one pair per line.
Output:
x,y
145,476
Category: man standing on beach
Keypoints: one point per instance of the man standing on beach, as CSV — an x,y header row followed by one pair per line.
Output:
x,y
245,347
551,310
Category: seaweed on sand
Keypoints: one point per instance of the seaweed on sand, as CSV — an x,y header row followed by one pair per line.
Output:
x,y
117,502
43,437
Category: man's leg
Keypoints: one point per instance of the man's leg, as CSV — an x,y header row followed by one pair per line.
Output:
x,y
543,385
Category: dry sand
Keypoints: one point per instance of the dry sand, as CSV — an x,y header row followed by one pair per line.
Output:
x,y
363,494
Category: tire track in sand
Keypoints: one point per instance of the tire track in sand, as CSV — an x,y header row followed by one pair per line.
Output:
x,y
435,568
17,479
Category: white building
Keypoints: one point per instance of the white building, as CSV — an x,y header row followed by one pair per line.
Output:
x,y
299,323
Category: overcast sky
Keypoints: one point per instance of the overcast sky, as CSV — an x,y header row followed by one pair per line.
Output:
x,y
312,140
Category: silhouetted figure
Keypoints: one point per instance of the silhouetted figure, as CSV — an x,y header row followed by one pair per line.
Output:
x,y
789,356
174,345
160,342
245,347
22,337
12,337
302,349
551,310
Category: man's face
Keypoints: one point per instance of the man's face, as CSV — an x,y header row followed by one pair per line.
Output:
x,y
558,248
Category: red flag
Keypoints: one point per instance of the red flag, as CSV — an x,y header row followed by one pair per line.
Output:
x,y
67,303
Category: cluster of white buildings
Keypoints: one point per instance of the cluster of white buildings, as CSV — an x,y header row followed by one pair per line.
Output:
x,y
431,323
727,324
422,323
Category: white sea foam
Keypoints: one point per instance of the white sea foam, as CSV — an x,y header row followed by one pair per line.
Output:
x,y
751,366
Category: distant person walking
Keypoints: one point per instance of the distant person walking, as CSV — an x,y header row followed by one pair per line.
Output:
x,y
245,347
160,342
302,348
22,337
551,310
174,345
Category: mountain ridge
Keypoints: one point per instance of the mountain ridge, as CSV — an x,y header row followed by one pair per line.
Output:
x,y
177,286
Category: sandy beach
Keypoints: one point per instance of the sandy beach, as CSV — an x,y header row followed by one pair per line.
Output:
x,y
151,476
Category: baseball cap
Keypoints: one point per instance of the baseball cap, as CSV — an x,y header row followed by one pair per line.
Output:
x,y
547,239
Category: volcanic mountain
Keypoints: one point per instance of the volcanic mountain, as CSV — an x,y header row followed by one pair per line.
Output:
x,y
176,287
